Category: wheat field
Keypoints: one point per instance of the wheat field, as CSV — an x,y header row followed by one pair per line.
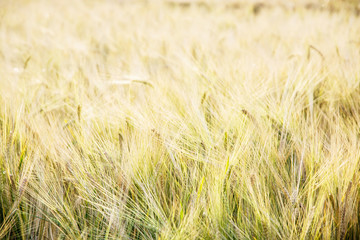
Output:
x,y
157,119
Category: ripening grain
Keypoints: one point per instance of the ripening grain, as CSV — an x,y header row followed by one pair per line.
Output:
x,y
155,119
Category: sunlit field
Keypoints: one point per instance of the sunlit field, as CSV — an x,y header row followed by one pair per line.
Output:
x,y
181,120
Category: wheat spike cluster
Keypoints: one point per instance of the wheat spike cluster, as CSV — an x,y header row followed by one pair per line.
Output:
x,y
166,119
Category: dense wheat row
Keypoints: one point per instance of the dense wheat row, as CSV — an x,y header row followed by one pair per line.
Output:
x,y
167,120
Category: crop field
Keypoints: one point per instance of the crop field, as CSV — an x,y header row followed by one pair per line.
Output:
x,y
168,119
